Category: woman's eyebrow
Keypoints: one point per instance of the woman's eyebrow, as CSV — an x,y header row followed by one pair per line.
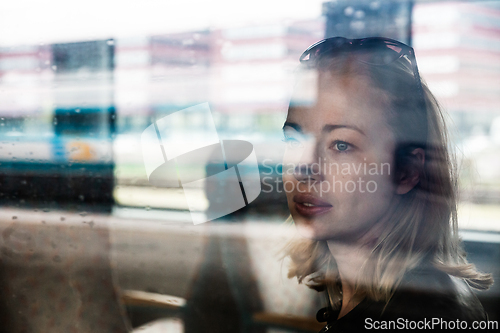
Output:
x,y
292,125
331,127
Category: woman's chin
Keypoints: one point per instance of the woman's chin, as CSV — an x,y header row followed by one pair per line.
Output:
x,y
309,230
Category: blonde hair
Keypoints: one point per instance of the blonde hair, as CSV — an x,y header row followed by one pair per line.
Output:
x,y
424,227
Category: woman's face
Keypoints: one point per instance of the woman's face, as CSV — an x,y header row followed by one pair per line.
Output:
x,y
338,161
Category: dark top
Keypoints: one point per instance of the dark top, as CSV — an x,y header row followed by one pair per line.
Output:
x,y
426,298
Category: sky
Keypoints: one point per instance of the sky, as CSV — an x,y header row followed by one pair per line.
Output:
x,y
28,22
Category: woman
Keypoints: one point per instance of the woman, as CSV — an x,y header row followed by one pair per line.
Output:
x,y
371,189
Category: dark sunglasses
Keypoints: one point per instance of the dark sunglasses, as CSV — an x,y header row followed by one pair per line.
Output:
x,y
377,51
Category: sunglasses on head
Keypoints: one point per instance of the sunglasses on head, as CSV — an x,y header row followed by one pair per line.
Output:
x,y
377,51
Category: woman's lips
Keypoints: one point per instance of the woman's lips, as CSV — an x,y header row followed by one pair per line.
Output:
x,y
308,205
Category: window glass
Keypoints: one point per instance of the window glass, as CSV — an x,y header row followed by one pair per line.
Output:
x,y
142,154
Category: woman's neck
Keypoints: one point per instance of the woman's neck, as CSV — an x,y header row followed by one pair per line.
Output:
x,y
349,258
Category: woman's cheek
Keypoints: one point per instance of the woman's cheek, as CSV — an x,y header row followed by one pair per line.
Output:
x,y
289,182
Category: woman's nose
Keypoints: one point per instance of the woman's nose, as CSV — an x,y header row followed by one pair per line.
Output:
x,y
308,167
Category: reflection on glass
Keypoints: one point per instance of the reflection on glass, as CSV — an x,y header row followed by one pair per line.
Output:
x,y
83,227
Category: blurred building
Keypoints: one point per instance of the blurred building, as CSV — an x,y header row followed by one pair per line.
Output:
x,y
253,65
240,71
361,19
458,51
245,73
57,122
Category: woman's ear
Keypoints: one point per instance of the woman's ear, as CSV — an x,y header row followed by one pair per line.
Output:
x,y
410,177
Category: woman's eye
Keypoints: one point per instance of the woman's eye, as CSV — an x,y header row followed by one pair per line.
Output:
x,y
342,146
292,143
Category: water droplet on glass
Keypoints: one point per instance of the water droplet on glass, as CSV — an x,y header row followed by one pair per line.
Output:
x,y
357,25
348,11
54,67
375,5
359,14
